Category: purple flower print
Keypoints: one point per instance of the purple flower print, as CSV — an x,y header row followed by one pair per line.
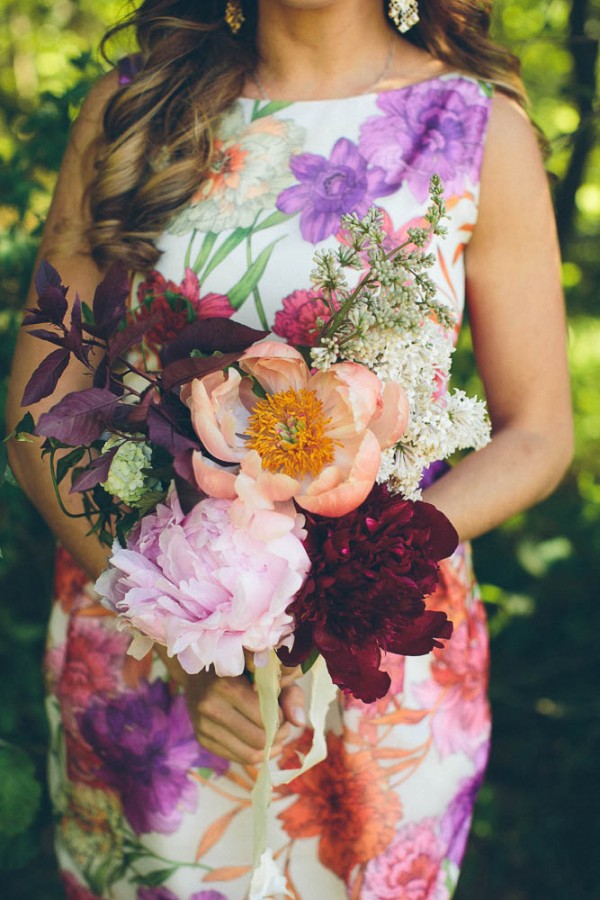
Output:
x,y
208,895
331,187
429,128
454,827
146,745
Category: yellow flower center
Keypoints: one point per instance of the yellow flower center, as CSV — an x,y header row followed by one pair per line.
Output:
x,y
288,431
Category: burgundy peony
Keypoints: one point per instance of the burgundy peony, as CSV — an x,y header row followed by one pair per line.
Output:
x,y
371,570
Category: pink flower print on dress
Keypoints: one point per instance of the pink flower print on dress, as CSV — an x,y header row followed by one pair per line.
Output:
x,y
456,692
177,305
410,867
297,321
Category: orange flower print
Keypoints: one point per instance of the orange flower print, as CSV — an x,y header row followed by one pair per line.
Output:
x,y
345,800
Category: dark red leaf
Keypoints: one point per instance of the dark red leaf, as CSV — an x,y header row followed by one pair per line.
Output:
x,y
215,335
79,418
45,378
53,337
129,337
163,430
185,369
109,302
93,474
46,275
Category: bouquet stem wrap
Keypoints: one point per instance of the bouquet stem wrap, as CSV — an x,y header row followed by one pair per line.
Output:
x,y
266,879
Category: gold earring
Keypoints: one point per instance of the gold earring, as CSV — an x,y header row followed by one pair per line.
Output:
x,y
234,15
404,14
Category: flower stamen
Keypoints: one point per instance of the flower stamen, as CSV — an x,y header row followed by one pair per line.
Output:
x,y
288,430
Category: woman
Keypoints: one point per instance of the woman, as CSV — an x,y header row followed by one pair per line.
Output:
x,y
233,145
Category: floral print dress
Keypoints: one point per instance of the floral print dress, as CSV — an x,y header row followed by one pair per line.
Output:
x,y
143,811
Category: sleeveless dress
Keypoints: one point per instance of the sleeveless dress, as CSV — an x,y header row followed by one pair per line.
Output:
x,y
143,811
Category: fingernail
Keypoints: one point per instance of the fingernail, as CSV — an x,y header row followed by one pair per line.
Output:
x,y
299,715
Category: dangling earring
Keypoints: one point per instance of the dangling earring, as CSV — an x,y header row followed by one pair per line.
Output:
x,y
234,15
404,14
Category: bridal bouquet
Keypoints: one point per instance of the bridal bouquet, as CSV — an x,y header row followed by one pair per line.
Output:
x,y
304,541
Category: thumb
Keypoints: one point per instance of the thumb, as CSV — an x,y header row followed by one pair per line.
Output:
x,y
291,701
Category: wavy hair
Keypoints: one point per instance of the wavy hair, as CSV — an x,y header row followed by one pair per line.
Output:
x,y
159,129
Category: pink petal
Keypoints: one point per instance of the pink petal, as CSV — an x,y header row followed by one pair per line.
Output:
x,y
213,402
351,397
389,426
276,366
351,492
212,479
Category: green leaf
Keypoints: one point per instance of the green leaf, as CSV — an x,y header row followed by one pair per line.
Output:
x,y
233,241
155,878
67,462
248,282
87,314
276,218
204,252
21,791
25,426
310,660
272,107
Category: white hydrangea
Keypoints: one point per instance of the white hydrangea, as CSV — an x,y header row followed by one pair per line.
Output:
x,y
126,478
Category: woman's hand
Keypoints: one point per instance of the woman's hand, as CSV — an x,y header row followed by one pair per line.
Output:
x,y
226,716
225,712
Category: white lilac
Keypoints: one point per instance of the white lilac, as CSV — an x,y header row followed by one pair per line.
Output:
x,y
393,323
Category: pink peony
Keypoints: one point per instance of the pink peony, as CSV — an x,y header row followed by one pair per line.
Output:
x,y
297,321
316,438
204,587
410,868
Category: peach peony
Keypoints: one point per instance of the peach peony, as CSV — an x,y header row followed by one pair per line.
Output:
x,y
280,431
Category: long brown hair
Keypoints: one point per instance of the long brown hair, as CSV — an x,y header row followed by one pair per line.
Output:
x,y
159,129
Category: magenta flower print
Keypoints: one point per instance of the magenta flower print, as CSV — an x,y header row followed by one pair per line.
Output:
x,y
409,869
146,745
297,321
329,188
430,128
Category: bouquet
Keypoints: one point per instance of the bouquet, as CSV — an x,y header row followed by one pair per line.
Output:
x,y
262,498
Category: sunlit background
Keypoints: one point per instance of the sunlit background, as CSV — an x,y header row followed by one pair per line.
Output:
x,y
536,833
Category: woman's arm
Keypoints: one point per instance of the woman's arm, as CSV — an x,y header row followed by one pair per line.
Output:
x,y
64,245
517,318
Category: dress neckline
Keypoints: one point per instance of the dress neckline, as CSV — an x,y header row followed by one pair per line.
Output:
x,y
446,76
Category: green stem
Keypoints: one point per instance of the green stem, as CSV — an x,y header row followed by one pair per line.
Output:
x,y
56,487
255,292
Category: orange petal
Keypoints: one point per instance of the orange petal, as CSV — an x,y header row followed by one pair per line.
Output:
x,y
355,488
210,401
277,367
213,480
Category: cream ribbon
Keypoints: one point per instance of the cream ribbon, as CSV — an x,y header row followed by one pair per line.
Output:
x,y
267,881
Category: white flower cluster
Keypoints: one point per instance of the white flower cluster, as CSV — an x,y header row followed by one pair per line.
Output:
x,y
393,323
127,479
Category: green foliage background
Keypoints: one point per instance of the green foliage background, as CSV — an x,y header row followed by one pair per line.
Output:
x,y
535,833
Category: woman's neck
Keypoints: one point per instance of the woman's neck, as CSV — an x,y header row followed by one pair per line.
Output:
x,y
326,48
